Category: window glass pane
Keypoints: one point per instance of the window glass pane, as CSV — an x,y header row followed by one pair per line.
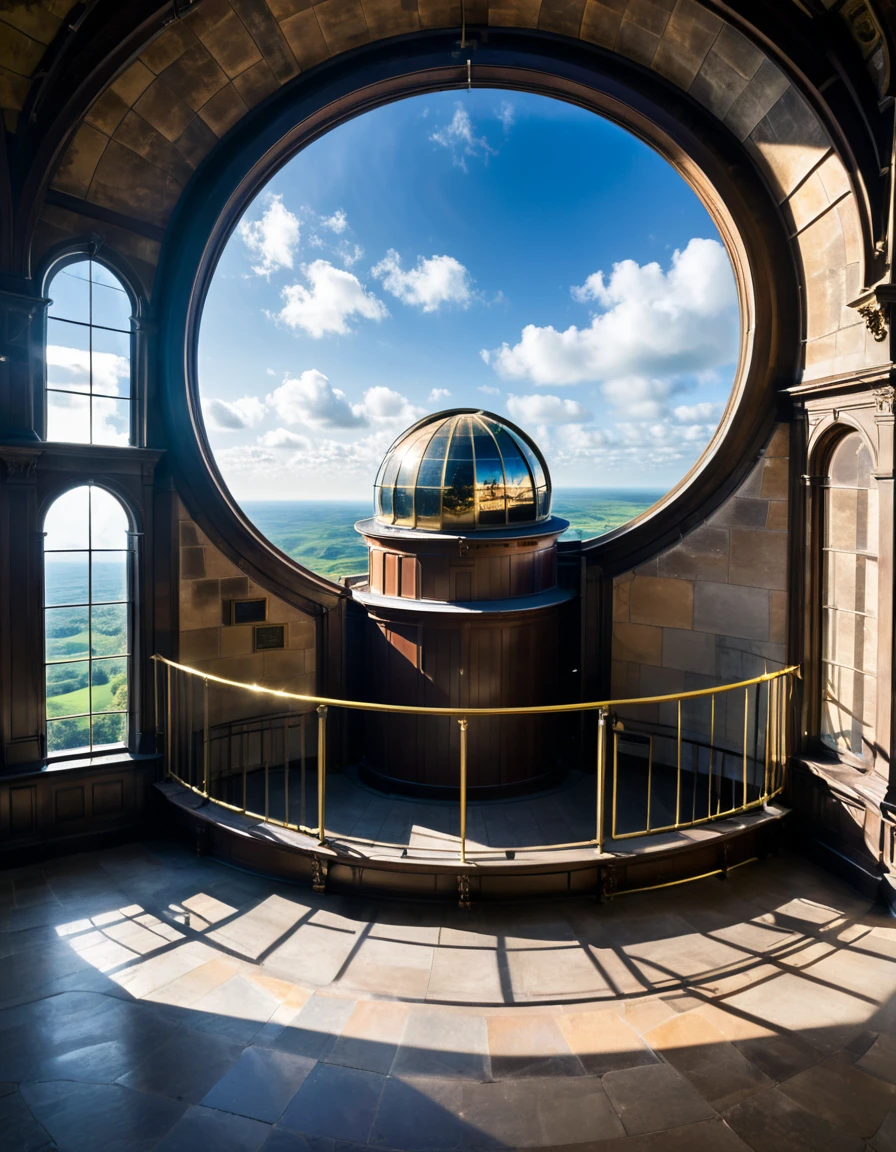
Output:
x,y
111,421
429,506
68,418
108,520
110,729
109,628
403,505
65,630
110,577
68,691
111,305
68,356
66,578
109,686
407,472
68,735
532,460
67,524
385,501
514,466
70,292
430,474
461,442
111,363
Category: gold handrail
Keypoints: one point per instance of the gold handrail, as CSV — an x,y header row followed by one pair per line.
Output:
x,y
529,710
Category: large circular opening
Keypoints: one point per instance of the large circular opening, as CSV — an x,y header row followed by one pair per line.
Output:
x,y
485,249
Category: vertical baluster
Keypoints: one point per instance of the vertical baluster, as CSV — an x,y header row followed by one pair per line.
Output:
x,y
322,774
245,759
768,716
168,725
463,789
746,719
302,818
286,769
615,778
264,760
649,777
205,736
678,774
712,750
601,758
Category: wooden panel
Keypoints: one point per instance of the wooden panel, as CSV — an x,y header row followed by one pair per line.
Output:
x,y
390,584
376,570
108,798
22,810
461,584
70,803
409,577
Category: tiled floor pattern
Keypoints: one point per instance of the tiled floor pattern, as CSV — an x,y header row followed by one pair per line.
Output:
x,y
153,1000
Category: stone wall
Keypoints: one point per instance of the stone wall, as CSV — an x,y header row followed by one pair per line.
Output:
x,y
207,582
712,609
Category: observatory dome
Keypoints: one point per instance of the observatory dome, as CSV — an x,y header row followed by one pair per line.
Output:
x,y
462,469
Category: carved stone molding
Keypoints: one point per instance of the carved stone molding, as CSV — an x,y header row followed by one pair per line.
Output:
x,y
20,464
884,399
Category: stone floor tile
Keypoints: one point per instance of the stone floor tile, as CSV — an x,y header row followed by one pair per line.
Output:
x,y
370,1037
145,976
466,975
20,1131
192,986
237,1009
380,964
880,1059
525,1045
420,1114
201,1127
446,1044
315,1027
261,928
843,1095
770,1122
501,1114
544,973
654,1097
184,1067
260,1084
720,1072
575,1110
285,1140
409,925
314,954
88,1117
603,1041
705,1136
336,1102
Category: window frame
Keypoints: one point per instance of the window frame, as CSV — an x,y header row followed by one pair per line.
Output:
x,y
75,254
132,654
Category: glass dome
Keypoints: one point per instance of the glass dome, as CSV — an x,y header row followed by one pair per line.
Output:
x,y
463,469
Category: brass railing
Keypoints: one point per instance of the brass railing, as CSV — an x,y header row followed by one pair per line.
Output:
x,y
221,756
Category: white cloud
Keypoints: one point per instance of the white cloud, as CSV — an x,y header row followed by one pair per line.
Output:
x,y
349,253
438,394
310,399
244,458
337,223
507,115
332,297
70,368
639,397
539,409
384,405
283,438
435,281
691,413
655,323
489,390
273,239
460,139
232,415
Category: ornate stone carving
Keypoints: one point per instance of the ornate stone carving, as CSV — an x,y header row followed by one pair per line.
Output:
x,y
875,321
20,464
884,398
608,884
463,891
319,869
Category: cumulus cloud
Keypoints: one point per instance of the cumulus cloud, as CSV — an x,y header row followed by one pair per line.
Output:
x,y
438,394
337,223
507,115
283,438
244,458
435,281
349,253
384,405
539,409
70,368
653,323
331,298
489,390
460,139
639,397
694,413
273,239
310,399
232,415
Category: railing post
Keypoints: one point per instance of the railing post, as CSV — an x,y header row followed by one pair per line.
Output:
x,y
286,770
601,775
322,774
302,820
205,738
678,769
746,729
168,724
462,722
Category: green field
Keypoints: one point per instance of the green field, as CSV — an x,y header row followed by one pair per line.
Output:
x,y
320,533
74,703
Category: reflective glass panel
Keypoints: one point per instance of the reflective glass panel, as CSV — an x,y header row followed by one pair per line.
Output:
x,y
385,504
67,523
66,578
68,356
109,630
68,689
66,633
110,577
403,506
108,520
111,421
111,305
111,729
109,686
68,417
70,292
429,506
532,460
68,735
111,363
432,465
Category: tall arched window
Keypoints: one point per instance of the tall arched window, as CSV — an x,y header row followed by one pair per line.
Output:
x,y
849,611
87,621
88,356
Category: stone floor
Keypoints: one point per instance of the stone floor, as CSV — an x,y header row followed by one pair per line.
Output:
x,y
153,1000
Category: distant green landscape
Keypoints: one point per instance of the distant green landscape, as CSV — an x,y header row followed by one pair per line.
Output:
x,y
320,534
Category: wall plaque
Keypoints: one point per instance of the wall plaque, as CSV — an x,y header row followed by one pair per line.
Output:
x,y
269,636
252,611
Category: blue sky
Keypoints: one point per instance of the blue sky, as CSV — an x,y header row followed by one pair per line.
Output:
x,y
486,248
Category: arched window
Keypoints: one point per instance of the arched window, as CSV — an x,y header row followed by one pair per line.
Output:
x,y
849,604
87,621
88,356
